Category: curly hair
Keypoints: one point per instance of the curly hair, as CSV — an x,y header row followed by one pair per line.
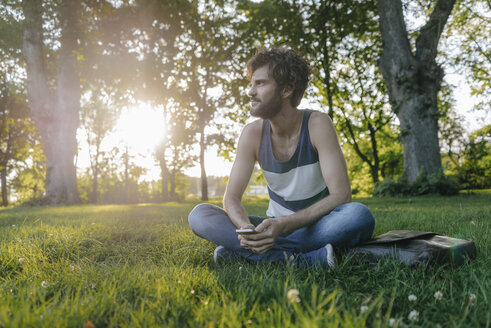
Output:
x,y
286,67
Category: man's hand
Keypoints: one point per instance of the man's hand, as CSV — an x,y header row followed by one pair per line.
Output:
x,y
265,237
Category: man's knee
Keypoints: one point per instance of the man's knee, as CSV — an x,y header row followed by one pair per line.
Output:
x,y
203,216
198,215
364,219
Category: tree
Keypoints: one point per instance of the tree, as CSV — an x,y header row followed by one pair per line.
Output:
x,y
413,81
205,49
161,23
55,104
451,132
476,167
363,116
177,152
16,131
467,48
98,118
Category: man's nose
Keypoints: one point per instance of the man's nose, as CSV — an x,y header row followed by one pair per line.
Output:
x,y
252,91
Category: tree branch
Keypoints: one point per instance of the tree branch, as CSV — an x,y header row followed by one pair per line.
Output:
x,y
394,36
427,42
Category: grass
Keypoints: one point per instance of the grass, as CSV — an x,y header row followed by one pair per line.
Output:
x,y
140,266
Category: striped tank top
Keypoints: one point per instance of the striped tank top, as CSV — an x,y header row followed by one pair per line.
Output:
x,y
296,183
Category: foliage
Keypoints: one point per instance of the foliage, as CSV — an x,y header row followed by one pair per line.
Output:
x,y
470,162
18,136
475,172
436,183
451,132
28,182
140,265
468,49
98,117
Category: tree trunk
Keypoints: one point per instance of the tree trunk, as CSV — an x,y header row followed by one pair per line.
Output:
x,y
126,159
172,178
55,114
204,179
327,77
95,184
164,170
3,180
165,178
375,168
413,82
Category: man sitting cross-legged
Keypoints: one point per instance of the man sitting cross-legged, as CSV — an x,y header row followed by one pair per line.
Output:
x,y
310,208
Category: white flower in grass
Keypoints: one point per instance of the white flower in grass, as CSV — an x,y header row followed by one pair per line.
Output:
x,y
472,298
363,309
412,298
92,223
438,295
392,321
21,260
240,268
44,284
192,291
413,316
293,295
13,225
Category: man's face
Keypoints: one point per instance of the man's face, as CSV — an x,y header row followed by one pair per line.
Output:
x,y
265,96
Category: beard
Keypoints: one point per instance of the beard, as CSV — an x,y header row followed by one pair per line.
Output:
x,y
268,109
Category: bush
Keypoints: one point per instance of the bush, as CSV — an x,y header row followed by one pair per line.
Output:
x,y
436,183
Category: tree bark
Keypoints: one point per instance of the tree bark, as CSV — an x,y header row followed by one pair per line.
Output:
x,y
3,180
204,179
126,159
413,82
172,178
327,72
95,186
55,113
164,170
165,178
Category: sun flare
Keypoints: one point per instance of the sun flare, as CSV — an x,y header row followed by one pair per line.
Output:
x,y
141,128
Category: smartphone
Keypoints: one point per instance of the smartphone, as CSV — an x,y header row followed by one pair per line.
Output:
x,y
245,231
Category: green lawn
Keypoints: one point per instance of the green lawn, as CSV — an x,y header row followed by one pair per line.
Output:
x,y
140,266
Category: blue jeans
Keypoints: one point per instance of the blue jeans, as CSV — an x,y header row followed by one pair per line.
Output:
x,y
345,226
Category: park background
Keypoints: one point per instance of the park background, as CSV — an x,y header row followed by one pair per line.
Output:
x,y
118,117
143,101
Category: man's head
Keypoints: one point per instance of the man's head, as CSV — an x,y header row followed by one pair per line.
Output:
x,y
286,67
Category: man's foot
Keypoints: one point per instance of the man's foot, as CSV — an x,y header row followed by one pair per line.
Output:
x,y
224,255
323,256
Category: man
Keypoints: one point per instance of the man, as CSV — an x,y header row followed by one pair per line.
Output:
x,y
310,207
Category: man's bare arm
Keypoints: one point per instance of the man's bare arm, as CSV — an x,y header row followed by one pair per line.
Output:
x,y
241,173
333,166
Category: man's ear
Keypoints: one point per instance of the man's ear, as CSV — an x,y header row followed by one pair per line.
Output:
x,y
287,91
